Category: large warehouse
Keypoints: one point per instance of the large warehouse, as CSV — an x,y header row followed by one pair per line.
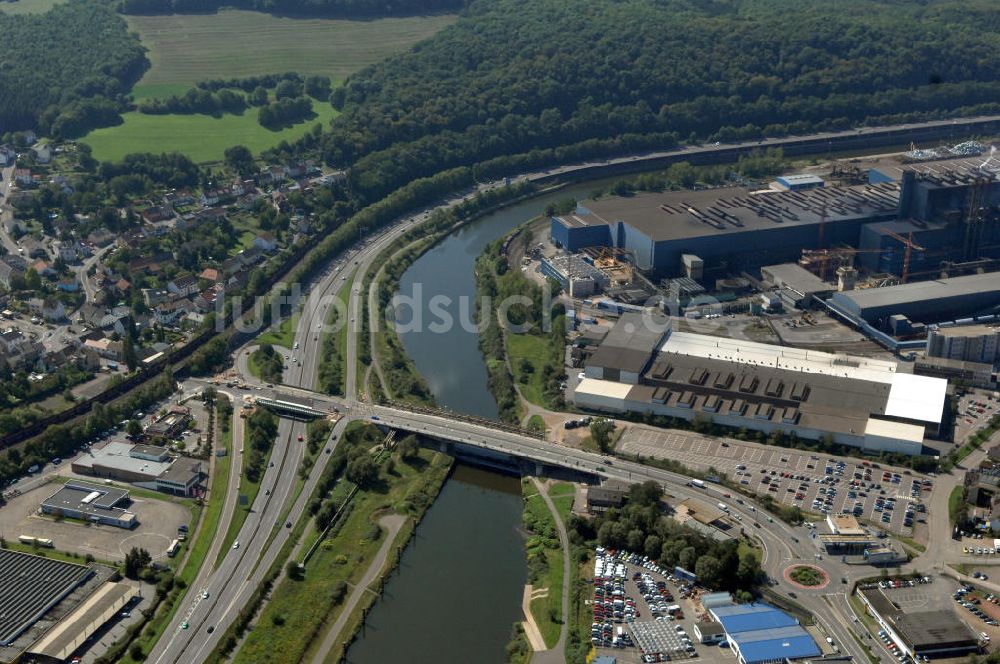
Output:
x,y
30,586
938,633
745,230
761,634
147,466
857,401
924,301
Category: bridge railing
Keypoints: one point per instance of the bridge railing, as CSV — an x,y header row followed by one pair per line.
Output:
x,y
462,417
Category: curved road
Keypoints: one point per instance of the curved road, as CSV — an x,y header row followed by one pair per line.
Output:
x,y
242,570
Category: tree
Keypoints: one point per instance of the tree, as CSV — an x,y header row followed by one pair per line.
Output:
x,y
136,560
128,351
32,281
133,428
409,447
600,430
688,558
708,568
645,494
653,546
240,159
362,471
208,395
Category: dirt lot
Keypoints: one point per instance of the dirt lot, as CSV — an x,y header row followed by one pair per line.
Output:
x,y
158,523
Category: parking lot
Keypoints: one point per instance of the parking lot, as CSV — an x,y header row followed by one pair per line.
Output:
x,y
158,523
644,614
889,498
974,412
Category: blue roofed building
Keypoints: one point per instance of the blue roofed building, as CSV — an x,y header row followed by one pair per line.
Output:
x,y
762,634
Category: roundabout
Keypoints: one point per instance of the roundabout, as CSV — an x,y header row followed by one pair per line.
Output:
x,y
807,577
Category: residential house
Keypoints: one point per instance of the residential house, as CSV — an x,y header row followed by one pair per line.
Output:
x,y
156,213
43,268
279,202
70,285
101,237
211,274
49,308
154,297
122,286
14,227
106,348
22,176
205,300
7,155
266,242
43,153
273,174
12,269
91,315
177,199
18,351
71,252
210,197
183,285
169,313
252,256
33,248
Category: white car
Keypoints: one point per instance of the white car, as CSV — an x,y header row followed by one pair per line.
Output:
x,y
236,544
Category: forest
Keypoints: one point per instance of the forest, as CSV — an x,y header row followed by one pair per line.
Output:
x,y
333,8
65,71
513,77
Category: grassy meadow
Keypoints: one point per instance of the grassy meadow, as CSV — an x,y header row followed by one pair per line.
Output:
x,y
187,48
203,138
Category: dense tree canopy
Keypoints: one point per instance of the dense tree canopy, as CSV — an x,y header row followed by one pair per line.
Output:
x,y
62,71
515,76
361,8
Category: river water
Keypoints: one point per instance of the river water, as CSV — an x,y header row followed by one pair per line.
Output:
x,y
459,586
449,358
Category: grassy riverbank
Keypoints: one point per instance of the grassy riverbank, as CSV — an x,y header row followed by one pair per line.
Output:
x,y
301,607
545,564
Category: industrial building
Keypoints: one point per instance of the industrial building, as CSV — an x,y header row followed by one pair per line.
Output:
x,y
798,285
170,425
90,502
939,633
31,586
855,401
730,227
145,466
577,276
924,301
968,343
973,374
761,634
60,642
797,182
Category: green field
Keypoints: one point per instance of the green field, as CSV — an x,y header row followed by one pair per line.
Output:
x,y
185,49
203,138
28,6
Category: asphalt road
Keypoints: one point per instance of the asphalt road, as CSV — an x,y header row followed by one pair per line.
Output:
x,y
241,571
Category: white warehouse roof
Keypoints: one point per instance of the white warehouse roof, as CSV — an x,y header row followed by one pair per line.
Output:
x,y
603,388
913,433
919,398
780,357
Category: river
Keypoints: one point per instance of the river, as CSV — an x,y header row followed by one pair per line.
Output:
x,y
449,359
459,586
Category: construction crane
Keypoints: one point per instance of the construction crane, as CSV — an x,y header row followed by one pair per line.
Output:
x,y
823,257
910,246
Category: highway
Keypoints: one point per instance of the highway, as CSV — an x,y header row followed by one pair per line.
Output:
x,y
242,570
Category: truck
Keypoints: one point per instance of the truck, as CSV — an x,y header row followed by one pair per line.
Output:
x,y
698,483
724,508
35,541
174,548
